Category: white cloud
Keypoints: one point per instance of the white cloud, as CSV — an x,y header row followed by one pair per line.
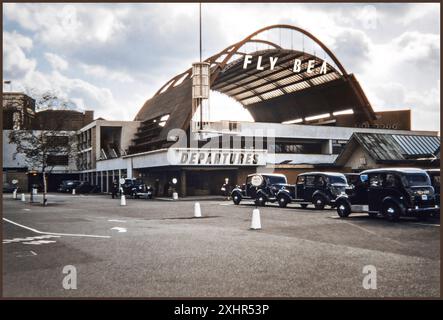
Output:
x,y
104,73
120,54
57,62
15,62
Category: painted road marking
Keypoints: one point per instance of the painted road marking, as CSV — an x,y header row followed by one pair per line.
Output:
x,y
22,254
39,242
56,233
26,209
118,229
38,238
116,220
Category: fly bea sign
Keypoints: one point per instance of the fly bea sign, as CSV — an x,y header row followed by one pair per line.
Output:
x,y
296,66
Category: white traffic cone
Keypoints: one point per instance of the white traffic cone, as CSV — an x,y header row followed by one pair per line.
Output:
x,y
14,194
255,223
23,197
197,210
73,191
123,200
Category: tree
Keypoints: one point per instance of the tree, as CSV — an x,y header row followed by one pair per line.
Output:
x,y
43,148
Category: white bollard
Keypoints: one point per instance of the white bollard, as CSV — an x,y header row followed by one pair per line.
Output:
x,y
23,197
197,210
73,191
255,223
175,196
14,194
123,200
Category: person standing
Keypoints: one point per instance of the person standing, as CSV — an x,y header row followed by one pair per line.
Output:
x,y
114,189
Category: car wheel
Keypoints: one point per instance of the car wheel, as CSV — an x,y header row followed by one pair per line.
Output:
x,y
343,209
260,201
236,198
282,202
304,206
319,202
391,211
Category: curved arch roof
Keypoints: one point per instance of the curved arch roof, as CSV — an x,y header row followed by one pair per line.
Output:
x,y
276,95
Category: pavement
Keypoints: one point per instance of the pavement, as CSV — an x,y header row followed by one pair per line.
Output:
x,y
152,248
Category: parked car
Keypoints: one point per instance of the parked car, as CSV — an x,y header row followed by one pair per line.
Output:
x,y
68,185
317,188
142,191
392,192
261,188
136,188
129,185
434,175
8,187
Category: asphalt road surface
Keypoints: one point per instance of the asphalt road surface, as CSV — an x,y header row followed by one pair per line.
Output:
x,y
157,249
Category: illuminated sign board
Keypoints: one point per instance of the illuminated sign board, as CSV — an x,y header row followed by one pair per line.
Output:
x,y
216,157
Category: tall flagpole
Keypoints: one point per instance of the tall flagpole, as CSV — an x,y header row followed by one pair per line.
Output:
x,y
200,19
200,29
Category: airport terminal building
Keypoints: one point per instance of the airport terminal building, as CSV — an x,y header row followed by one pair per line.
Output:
x,y
309,114
305,112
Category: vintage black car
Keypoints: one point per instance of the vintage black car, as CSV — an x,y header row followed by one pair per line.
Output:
x,y
434,174
393,192
317,188
68,185
8,187
261,188
136,188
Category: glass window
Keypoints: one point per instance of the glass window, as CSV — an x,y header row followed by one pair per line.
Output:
x,y
391,181
310,180
417,179
301,180
320,181
375,180
275,180
337,179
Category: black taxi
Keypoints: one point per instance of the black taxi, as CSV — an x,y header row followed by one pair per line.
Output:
x,y
392,192
259,187
317,188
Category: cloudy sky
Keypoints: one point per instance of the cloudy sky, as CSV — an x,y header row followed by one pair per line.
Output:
x,y
113,57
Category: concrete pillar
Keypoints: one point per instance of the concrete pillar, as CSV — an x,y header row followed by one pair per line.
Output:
x,y
327,147
107,181
183,183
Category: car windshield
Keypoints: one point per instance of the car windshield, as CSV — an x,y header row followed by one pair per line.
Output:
x,y
416,179
275,179
337,179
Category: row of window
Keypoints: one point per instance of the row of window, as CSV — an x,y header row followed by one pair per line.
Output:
x,y
57,160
